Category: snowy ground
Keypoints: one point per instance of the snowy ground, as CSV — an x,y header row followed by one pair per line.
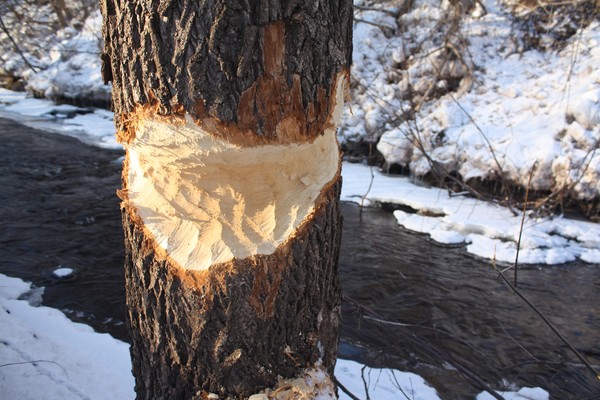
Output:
x,y
518,107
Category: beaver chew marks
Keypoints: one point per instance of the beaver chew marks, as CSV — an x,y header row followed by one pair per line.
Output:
x,y
207,201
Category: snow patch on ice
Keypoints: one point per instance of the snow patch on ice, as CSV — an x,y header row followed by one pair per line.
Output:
x,y
63,272
90,125
525,393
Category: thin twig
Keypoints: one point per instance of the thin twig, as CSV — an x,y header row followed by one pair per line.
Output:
x,y
17,48
394,14
364,197
527,301
362,375
383,321
34,362
399,387
516,265
555,364
380,26
517,342
474,379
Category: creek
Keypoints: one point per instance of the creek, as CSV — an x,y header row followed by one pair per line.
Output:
x,y
408,303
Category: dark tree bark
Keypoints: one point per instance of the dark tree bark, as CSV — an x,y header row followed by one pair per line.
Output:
x,y
246,63
253,74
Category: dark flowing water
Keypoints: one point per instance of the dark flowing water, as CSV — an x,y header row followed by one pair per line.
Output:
x,y
462,318
58,207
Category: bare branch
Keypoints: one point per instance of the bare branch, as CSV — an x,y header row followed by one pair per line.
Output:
x,y
344,389
18,50
394,14
516,265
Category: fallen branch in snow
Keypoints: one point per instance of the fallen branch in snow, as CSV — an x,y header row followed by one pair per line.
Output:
x,y
344,389
381,26
33,362
394,14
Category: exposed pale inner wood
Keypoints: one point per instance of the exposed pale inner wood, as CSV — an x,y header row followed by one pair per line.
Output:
x,y
207,201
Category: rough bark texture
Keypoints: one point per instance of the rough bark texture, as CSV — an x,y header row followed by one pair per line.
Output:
x,y
250,72
251,63
234,328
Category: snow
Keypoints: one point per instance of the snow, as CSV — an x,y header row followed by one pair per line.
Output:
x,y
382,384
487,229
522,394
63,272
47,356
69,68
90,125
522,107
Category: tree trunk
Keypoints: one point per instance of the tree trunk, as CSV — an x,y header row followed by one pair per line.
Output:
x,y
228,112
62,12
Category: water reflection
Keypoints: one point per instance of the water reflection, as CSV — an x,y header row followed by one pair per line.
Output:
x,y
460,318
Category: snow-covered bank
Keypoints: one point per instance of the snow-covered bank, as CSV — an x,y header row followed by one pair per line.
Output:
x,y
464,88
469,94
488,230
45,355
55,63
489,107
90,125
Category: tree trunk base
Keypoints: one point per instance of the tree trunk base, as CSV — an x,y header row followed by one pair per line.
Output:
x,y
234,329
